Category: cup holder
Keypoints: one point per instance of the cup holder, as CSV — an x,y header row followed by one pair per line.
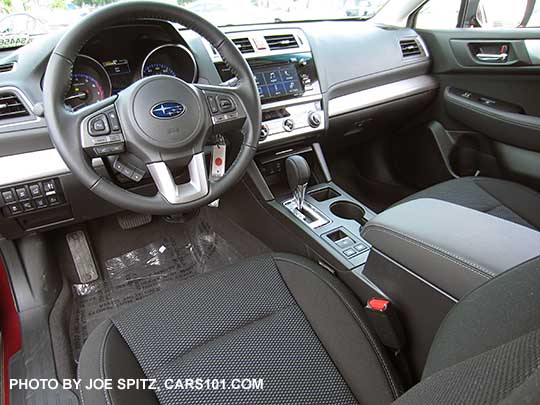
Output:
x,y
348,210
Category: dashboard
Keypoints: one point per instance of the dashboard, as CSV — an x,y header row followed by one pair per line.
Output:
x,y
317,81
122,55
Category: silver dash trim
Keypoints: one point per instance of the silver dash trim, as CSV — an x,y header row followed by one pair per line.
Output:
x,y
381,94
27,167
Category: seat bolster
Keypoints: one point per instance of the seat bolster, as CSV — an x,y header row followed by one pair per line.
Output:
x,y
337,318
106,355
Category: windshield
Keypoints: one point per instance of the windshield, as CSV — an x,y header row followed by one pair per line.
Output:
x,y
23,19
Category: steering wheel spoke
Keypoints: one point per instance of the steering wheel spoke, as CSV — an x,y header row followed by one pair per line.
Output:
x,y
225,107
196,188
100,130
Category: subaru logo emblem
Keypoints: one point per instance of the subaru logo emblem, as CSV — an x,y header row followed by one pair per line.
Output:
x,y
167,109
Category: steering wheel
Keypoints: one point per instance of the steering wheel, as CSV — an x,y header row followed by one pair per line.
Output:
x,y
158,118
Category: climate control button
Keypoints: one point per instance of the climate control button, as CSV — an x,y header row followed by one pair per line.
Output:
x,y
264,132
288,125
314,119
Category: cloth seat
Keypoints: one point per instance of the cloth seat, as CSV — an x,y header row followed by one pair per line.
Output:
x,y
504,199
287,321
279,318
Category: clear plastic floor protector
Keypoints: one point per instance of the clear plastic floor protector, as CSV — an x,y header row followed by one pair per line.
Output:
x,y
142,272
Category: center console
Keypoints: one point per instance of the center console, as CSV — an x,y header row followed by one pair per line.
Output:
x,y
286,76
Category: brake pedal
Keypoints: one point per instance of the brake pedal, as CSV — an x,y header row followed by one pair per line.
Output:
x,y
79,246
130,220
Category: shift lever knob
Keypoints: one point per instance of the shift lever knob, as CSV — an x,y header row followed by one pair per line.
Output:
x,y
298,174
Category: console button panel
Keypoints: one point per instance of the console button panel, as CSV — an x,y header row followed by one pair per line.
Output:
x,y
24,198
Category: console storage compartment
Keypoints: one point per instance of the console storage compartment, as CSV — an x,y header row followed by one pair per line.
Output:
x,y
428,254
454,248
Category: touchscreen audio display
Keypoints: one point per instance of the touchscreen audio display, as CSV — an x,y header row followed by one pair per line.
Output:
x,y
278,81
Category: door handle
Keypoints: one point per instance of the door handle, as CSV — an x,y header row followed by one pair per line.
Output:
x,y
492,57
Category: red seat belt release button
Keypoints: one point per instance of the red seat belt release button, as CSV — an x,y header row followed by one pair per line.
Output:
x,y
384,319
378,304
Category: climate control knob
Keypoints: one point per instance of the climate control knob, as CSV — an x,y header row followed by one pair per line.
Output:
x,y
314,119
288,125
264,132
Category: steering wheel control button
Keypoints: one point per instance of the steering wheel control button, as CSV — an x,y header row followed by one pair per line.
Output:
x,y
225,104
288,125
214,109
105,150
22,193
99,125
113,120
8,196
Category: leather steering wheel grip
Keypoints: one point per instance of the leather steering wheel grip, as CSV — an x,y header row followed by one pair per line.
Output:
x,y
64,125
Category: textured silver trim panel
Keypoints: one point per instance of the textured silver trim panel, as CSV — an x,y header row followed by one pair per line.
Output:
x,y
533,49
26,167
381,94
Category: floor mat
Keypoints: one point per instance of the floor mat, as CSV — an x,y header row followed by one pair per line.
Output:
x,y
179,252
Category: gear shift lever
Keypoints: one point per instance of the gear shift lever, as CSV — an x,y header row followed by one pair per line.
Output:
x,y
298,174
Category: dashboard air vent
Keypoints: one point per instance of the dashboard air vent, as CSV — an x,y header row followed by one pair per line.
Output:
x,y
7,67
409,47
278,42
244,45
11,107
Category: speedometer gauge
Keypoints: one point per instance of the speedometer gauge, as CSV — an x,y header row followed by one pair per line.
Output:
x,y
158,69
85,90
172,60
90,83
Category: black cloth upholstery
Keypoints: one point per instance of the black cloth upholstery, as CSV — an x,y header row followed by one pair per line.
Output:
x,y
280,318
501,198
487,350
286,320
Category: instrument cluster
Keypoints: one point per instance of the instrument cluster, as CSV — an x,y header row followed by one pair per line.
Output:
x,y
93,80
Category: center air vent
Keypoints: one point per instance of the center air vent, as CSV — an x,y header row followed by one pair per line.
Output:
x,y
277,42
409,47
11,107
244,45
7,67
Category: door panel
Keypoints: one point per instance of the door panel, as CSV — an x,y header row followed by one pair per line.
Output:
x,y
487,98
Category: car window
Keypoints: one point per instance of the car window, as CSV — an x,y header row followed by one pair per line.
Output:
x,y
500,13
439,14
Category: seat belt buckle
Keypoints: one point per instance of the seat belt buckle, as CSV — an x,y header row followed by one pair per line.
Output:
x,y
384,319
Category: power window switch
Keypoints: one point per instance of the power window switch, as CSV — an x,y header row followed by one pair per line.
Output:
x,y
8,196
